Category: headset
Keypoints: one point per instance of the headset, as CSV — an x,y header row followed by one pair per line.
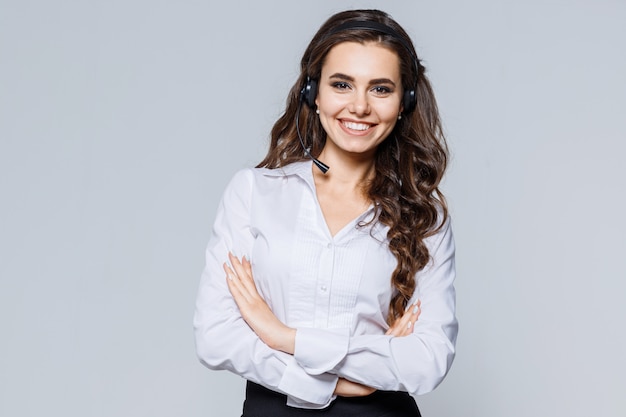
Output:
x,y
308,93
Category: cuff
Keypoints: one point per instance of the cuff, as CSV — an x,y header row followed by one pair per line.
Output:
x,y
307,391
298,403
320,350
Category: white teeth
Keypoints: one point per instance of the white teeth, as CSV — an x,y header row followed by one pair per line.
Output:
x,y
356,126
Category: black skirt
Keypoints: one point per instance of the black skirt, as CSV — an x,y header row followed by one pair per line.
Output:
x,y
262,402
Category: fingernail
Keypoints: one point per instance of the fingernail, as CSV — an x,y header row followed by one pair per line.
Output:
x,y
408,326
415,309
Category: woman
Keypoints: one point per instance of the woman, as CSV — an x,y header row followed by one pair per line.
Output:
x,y
332,290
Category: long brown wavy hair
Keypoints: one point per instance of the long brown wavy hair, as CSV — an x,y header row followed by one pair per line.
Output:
x,y
409,164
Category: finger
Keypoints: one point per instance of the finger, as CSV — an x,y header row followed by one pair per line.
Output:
x,y
238,267
400,326
405,324
413,314
243,274
395,330
397,327
408,318
230,274
419,310
234,262
231,277
416,311
247,265
235,286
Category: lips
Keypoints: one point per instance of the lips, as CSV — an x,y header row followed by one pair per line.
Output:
x,y
359,127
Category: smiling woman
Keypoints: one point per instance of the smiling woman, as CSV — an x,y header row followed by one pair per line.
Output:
x,y
342,297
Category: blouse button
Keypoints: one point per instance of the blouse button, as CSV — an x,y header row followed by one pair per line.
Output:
x,y
323,288
329,246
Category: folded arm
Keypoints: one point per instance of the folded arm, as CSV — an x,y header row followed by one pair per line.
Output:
x,y
416,363
223,339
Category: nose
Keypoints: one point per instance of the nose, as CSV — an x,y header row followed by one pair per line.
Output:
x,y
360,104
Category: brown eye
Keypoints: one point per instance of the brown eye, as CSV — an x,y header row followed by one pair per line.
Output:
x,y
381,90
340,85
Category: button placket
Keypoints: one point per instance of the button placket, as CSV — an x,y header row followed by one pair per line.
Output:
x,y
325,277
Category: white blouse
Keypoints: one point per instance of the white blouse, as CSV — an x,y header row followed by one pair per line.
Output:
x,y
334,290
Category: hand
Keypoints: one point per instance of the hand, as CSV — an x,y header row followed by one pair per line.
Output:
x,y
254,309
347,388
405,324
401,327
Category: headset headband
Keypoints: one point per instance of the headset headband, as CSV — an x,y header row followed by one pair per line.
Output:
x,y
378,27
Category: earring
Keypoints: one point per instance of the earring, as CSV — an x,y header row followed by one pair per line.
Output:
x,y
317,111
399,116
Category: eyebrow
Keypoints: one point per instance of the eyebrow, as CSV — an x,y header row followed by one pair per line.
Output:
x,y
374,81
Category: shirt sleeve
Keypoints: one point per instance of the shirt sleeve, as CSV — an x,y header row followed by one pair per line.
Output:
x,y
223,339
416,363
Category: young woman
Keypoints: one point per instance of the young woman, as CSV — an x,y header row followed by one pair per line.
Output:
x,y
332,289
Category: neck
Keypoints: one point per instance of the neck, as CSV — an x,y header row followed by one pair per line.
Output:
x,y
351,170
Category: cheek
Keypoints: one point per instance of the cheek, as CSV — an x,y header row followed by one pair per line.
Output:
x,y
324,122
329,110
389,113
325,119
330,105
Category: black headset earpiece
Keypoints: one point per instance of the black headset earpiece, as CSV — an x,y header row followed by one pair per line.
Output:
x,y
308,94
409,101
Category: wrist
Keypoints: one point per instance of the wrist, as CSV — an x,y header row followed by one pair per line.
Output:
x,y
284,340
345,388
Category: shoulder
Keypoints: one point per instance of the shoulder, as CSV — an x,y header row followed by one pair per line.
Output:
x,y
240,183
300,168
247,179
294,168
260,175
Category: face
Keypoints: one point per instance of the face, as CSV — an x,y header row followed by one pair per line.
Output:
x,y
359,97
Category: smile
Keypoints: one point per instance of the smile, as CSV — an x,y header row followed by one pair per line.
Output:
x,y
361,127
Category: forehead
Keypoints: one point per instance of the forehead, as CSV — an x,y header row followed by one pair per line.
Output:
x,y
370,60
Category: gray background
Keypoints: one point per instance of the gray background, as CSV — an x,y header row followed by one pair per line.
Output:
x,y
121,122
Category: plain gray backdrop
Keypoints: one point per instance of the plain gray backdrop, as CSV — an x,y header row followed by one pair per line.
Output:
x,y
122,121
